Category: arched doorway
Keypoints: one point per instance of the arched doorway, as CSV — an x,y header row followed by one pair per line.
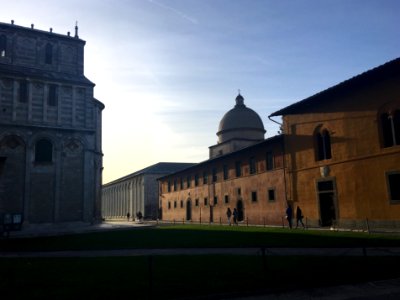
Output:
x,y
188,210
240,209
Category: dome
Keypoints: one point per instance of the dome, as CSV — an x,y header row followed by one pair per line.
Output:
x,y
240,122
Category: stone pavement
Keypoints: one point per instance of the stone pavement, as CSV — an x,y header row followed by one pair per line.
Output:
x,y
388,251
374,290
74,228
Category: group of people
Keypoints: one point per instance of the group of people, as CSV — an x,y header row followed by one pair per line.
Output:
x,y
299,216
139,216
235,214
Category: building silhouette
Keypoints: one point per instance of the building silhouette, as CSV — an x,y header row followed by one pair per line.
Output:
x,y
50,128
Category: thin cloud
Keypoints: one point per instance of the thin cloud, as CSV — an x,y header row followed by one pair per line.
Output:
x,y
174,10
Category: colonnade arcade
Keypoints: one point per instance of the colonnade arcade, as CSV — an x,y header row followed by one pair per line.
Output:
x,y
120,198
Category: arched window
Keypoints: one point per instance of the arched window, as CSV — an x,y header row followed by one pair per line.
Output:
x,y
3,45
49,54
43,151
323,145
390,123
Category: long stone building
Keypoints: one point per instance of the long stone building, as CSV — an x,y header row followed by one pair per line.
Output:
x,y
136,192
244,171
50,129
338,158
343,150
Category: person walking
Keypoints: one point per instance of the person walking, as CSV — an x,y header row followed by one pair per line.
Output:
x,y
128,215
228,215
289,215
235,216
299,217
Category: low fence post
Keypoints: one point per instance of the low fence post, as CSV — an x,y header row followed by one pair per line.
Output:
x,y
367,223
264,221
247,222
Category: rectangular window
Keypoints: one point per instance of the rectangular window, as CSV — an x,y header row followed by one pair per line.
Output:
x,y
175,184
239,191
238,167
205,178
196,179
52,96
169,185
205,201
269,161
254,196
23,91
181,180
393,181
188,180
214,175
169,205
226,175
174,204
226,199
215,200
181,203
252,165
271,194
196,201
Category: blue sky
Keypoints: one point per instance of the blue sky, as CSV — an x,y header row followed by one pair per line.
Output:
x,y
168,70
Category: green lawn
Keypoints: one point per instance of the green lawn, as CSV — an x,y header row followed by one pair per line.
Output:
x,y
171,277
199,236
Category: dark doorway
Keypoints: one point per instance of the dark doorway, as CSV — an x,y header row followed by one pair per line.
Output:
x,y
188,210
2,163
160,213
326,197
211,214
239,207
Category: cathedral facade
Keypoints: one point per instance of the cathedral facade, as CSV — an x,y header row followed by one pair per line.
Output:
x,y
338,158
50,129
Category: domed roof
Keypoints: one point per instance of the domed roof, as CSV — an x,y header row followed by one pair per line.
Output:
x,y
241,122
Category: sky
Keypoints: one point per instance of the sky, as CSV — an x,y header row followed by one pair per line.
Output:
x,y
168,70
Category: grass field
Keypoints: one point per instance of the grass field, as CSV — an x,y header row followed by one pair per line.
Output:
x,y
173,277
200,236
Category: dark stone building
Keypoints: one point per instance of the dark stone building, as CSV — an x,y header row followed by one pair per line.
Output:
x,y
50,128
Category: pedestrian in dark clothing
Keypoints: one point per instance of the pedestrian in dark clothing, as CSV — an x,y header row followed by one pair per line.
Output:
x,y
289,215
299,217
228,215
235,216
128,215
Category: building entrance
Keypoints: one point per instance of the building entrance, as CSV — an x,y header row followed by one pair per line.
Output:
x,y
211,214
327,205
239,207
188,210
